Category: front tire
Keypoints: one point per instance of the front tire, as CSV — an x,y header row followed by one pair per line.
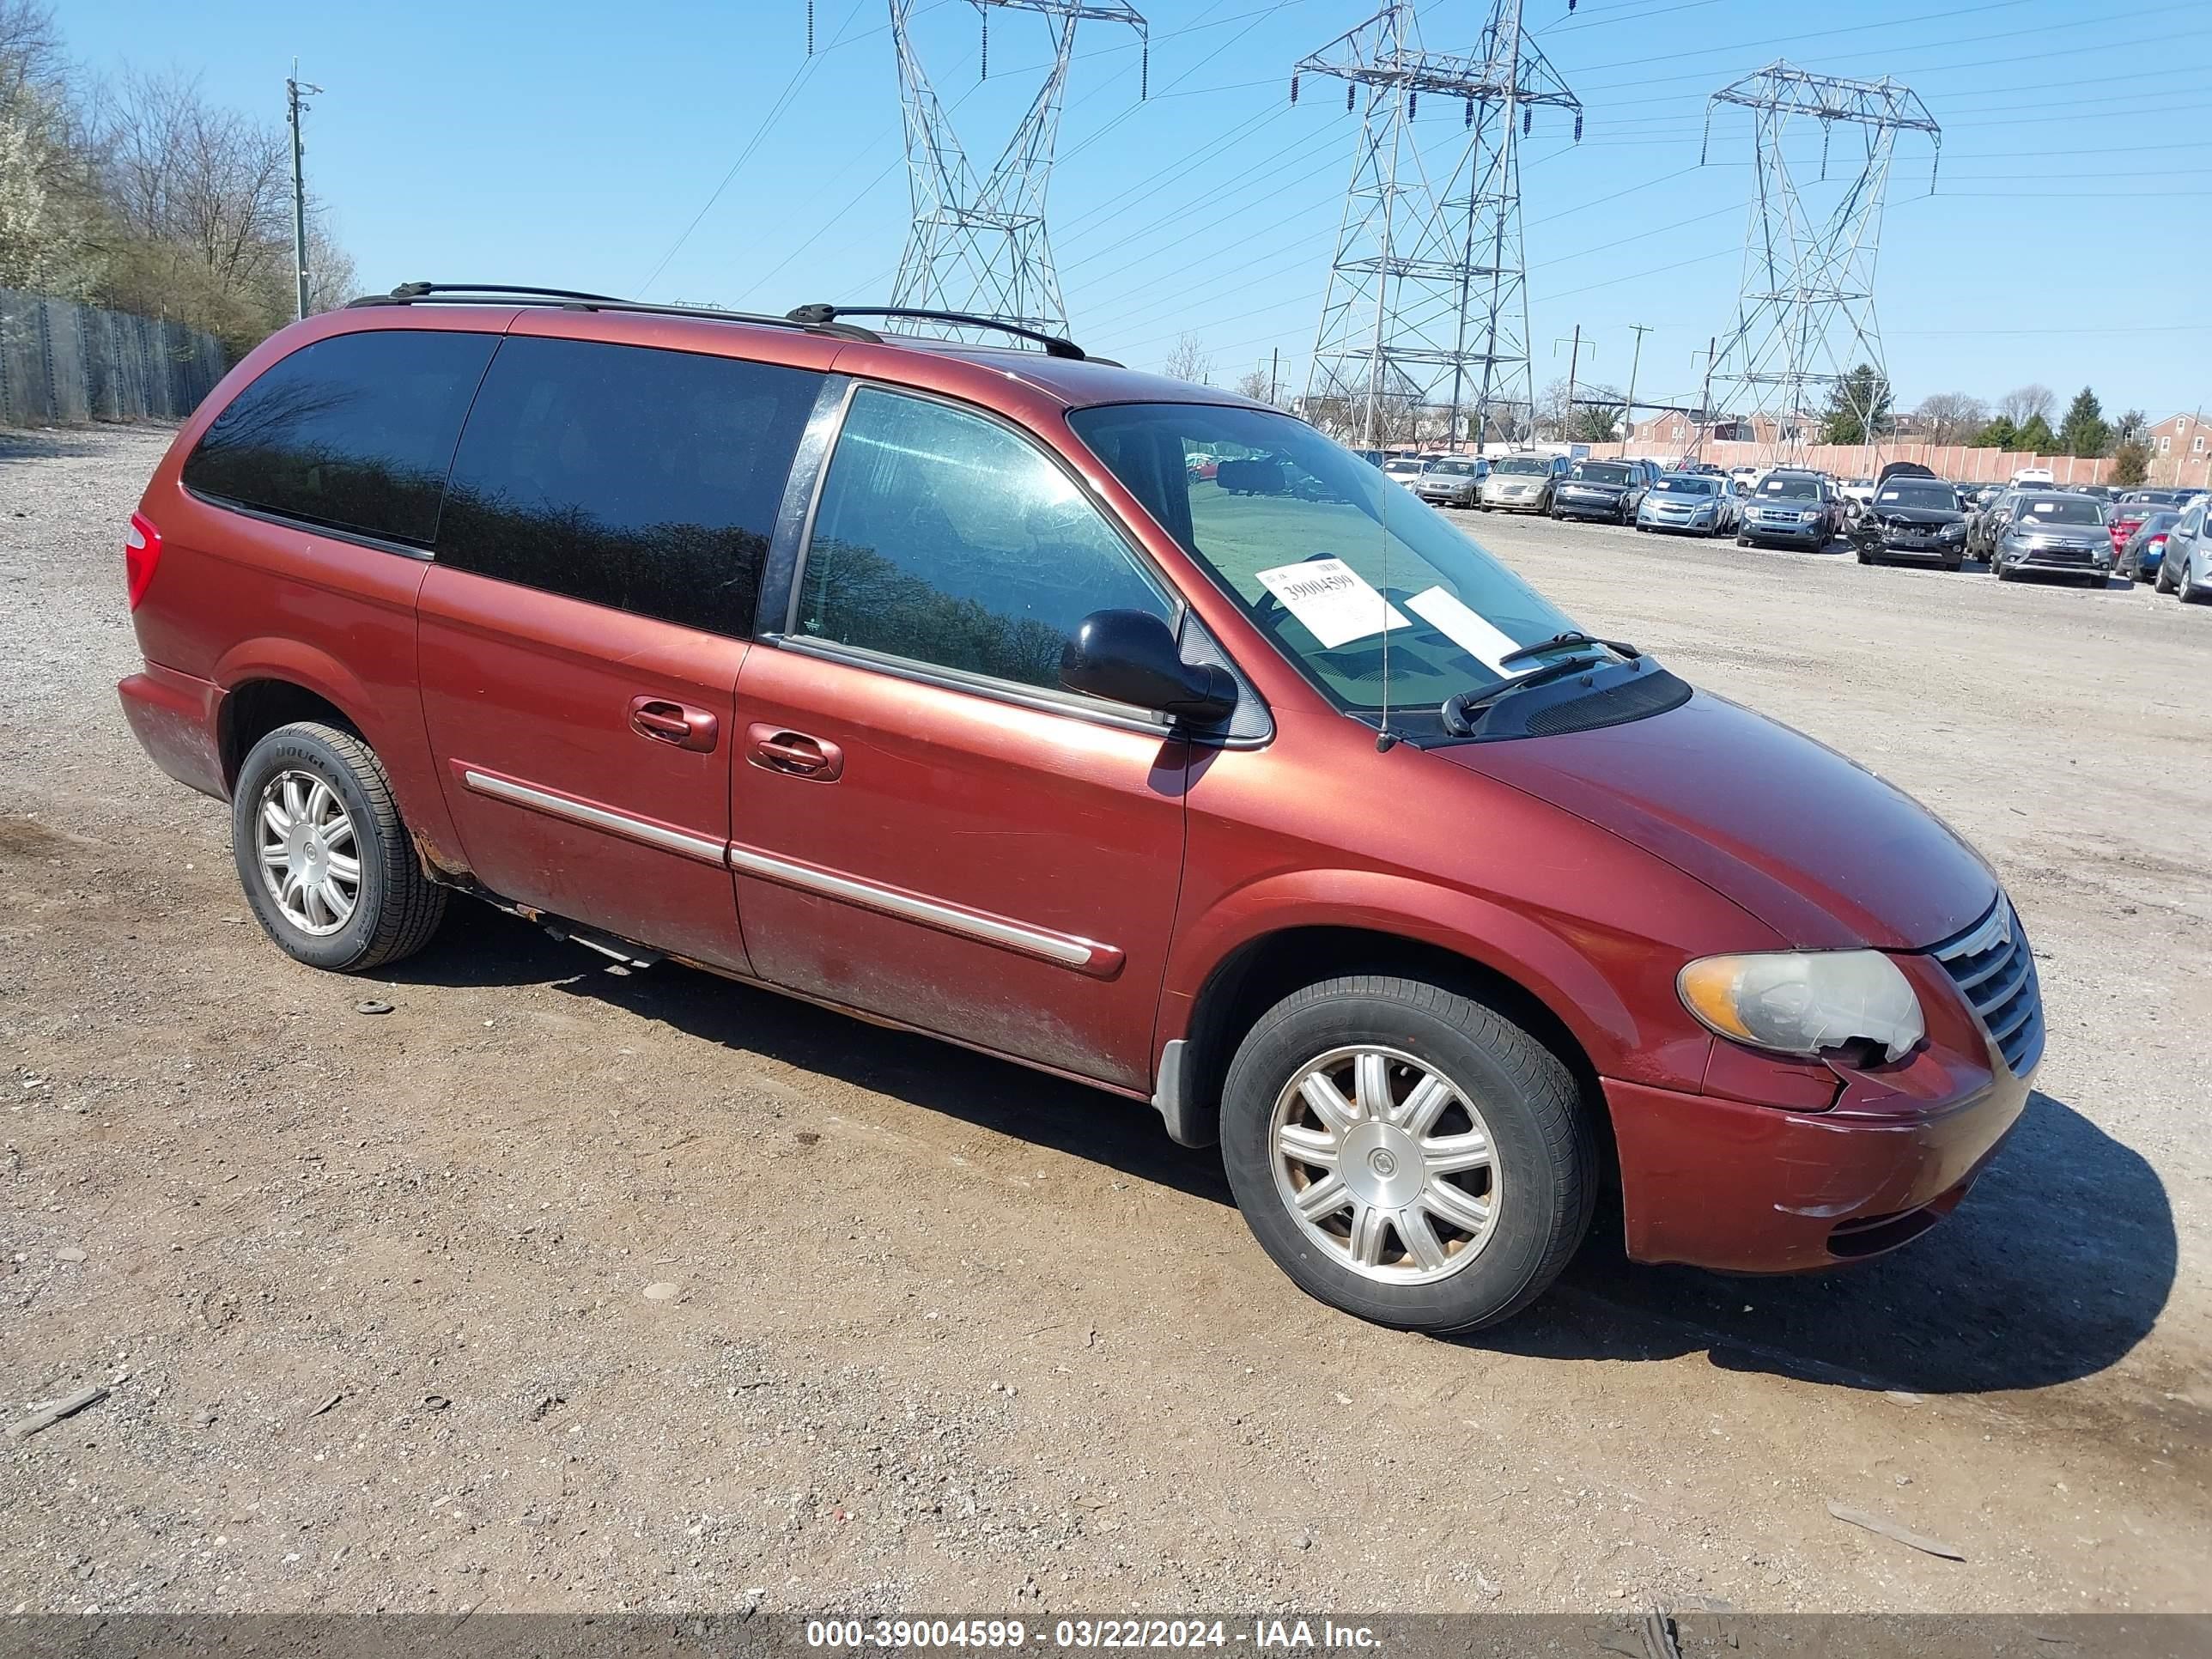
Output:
x,y
325,858
1408,1154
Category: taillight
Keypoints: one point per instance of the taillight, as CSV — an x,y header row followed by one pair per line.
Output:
x,y
142,551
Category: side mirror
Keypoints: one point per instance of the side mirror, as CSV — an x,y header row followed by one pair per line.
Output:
x,y
1129,656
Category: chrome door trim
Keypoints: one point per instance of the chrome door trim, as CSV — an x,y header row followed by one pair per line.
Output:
x,y
1066,950
1122,717
597,818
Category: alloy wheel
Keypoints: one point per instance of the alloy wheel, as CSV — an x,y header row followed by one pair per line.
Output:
x,y
309,858
1386,1164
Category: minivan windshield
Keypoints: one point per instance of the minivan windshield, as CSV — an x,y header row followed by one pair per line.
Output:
x,y
1326,559
1518,464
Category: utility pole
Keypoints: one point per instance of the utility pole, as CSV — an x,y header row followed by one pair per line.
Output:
x,y
1275,373
1628,414
295,102
1701,421
1574,359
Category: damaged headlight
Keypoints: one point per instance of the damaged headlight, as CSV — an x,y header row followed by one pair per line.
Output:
x,y
1802,1002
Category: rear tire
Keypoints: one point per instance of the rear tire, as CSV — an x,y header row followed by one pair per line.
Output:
x,y
326,859
1451,1206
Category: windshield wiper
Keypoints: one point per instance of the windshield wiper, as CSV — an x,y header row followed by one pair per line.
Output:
x,y
1574,637
1456,709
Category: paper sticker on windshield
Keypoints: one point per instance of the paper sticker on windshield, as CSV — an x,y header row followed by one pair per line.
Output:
x,y
1333,600
1442,611
2044,506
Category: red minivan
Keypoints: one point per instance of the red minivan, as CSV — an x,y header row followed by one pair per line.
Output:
x,y
933,682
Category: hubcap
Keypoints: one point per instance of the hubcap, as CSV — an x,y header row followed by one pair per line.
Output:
x,y
1386,1163
310,863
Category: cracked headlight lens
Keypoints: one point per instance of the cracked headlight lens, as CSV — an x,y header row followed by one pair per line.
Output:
x,y
1802,1002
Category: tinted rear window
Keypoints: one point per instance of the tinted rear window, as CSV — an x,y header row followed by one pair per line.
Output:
x,y
625,476
355,432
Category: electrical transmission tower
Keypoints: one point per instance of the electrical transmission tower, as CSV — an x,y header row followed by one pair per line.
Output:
x,y
1427,302
1806,315
978,242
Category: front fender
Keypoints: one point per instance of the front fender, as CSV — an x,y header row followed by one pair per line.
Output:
x,y
1624,1014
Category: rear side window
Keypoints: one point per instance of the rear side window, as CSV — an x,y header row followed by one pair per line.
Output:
x,y
645,480
945,538
354,432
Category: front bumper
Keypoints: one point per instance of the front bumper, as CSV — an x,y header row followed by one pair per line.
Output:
x,y
1812,535
1454,498
2047,562
1587,507
176,717
1533,501
1741,1189
1940,551
1707,524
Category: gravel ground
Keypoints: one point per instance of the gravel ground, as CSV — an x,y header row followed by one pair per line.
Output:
x,y
561,1288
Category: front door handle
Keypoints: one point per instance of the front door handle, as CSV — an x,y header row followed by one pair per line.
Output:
x,y
779,748
675,723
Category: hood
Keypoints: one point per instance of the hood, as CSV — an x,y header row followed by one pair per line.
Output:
x,y
1816,846
1930,517
1594,486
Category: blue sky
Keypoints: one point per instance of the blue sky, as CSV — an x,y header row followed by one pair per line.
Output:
x,y
576,145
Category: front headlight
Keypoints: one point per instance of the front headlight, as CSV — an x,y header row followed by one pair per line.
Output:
x,y
1800,1002
1808,517
1954,532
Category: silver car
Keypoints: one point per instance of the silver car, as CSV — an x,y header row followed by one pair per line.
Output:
x,y
1523,484
2055,534
1696,502
2186,567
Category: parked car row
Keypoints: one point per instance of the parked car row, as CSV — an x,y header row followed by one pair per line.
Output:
x,y
2030,526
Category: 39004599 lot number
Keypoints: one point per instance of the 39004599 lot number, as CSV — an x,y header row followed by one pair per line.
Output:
x,y
925,1634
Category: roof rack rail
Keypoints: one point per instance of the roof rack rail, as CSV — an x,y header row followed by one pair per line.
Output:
x,y
820,316
490,294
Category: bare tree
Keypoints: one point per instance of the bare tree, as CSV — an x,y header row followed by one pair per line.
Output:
x,y
1952,417
1186,359
1257,385
2023,403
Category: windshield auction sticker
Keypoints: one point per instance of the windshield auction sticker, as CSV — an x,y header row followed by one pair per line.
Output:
x,y
1335,601
1465,628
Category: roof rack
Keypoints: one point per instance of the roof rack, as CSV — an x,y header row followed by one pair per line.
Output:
x,y
822,316
490,294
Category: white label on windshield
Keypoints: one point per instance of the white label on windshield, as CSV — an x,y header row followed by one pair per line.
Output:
x,y
1333,600
2044,506
1442,611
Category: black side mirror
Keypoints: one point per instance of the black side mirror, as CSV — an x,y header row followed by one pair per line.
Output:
x,y
1129,656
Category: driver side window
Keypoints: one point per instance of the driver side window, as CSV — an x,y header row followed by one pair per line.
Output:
x,y
943,538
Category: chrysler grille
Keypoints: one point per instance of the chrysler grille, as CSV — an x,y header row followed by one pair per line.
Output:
x,y
1990,962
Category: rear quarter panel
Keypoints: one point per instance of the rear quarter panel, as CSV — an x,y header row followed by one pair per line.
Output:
x,y
239,599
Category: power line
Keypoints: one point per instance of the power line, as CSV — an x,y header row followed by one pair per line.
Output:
x,y
783,102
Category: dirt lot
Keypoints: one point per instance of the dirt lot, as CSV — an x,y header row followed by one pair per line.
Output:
x,y
372,1291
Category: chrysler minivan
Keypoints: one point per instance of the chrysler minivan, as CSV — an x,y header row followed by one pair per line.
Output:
x,y
929,681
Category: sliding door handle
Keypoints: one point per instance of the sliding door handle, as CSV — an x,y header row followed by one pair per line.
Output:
x,y
674,723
